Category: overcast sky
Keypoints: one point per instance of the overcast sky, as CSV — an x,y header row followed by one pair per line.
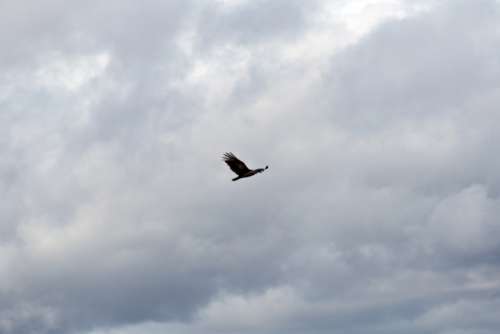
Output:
x,y
380,210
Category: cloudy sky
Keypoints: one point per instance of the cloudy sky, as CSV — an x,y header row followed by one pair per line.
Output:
x,y
379,119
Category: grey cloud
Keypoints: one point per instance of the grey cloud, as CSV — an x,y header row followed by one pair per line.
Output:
x,y
422,80
378,211
251,22
419,68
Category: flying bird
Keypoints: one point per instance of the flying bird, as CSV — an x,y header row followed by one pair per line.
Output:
x,y
239,166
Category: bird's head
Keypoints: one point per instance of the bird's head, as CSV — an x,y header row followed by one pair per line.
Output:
x,y
260,170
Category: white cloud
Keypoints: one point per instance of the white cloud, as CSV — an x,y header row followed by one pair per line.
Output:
x,y
71,74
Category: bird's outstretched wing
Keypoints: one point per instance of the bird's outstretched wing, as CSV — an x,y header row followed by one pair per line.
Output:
x,y
235,164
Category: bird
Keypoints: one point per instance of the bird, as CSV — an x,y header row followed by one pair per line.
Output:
x,y
239,166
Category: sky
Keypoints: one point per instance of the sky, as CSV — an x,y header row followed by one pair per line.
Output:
x,y
380,210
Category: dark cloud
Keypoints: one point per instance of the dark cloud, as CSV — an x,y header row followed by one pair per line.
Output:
x,y
249,22
378,212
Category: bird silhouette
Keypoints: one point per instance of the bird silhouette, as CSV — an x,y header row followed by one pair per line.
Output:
x,y
239,166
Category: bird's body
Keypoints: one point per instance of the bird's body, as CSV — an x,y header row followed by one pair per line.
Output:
x,y
239,166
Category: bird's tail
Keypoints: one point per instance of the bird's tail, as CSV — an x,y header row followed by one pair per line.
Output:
x,y
236,178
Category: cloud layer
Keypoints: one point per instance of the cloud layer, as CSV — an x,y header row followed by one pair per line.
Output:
x,y
379,212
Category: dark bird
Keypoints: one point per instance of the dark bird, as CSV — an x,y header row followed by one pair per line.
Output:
x,y
239,166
